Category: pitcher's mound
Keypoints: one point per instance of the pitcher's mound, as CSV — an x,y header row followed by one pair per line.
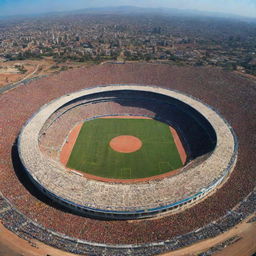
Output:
x,y
125,144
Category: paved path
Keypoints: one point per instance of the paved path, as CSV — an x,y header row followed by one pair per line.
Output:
x,y
16,84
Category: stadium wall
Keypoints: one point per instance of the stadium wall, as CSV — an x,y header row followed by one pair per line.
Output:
x,y
125,214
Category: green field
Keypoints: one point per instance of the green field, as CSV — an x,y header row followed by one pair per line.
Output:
x,y
92,153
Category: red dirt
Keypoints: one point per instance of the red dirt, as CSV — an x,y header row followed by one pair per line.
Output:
x,y
67,149
182,152
128,117
68,146
130,181
125,144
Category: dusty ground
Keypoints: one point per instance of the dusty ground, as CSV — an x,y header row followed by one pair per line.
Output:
x,y
34,68
245,246
12,245
10,74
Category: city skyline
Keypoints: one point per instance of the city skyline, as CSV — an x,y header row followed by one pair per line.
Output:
x,y
245,8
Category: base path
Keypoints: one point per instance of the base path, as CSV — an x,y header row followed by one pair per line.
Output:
x,y
123,145
69,144
182,152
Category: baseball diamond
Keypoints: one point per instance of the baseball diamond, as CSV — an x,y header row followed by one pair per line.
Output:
x,y
100,147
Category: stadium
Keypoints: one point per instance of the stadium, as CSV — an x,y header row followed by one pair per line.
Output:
x,y
70,189
209,191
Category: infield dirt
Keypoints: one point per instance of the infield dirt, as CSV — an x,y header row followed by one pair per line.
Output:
x,y
69,145
125,144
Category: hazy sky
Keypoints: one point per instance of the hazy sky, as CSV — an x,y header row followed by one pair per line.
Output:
x,y
240,7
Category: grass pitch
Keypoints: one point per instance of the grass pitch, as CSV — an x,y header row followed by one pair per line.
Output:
x,y
93,155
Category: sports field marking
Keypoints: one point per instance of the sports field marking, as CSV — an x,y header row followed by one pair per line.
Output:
x,y
93,155
165,166
126,172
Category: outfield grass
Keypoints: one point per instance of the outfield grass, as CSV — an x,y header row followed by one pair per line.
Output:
x,y
92,153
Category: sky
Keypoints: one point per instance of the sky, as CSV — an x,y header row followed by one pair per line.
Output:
x,y
239,7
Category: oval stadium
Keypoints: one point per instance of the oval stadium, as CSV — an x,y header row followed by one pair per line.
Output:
x,y
131,159
126,200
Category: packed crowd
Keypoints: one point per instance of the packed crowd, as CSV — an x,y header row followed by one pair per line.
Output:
x,y
134,104
27,229
226,92
75,113
158,195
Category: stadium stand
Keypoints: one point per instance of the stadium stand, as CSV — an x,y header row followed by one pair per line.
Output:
x,y
144,199
225,91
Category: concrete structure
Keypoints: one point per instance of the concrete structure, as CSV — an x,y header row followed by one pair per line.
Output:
x,y
125,200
